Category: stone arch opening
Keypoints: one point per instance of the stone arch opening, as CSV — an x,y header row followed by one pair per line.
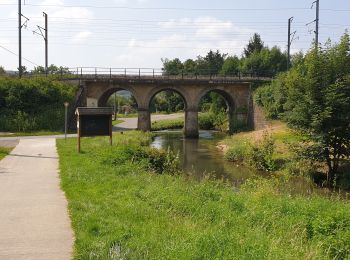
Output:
x,y
217,110
125,106
167,105
102,101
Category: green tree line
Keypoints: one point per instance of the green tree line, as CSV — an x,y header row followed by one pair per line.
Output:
x,y
257,59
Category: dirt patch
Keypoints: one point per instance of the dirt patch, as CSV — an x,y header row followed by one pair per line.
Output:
x,y
223,147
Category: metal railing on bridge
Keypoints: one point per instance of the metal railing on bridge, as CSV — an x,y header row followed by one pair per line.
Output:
x,y
153,73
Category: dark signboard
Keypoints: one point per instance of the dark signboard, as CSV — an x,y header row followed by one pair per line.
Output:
x,y
94,125
94,122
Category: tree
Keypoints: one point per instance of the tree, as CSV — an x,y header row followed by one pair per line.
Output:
x,y
255,45
2,70
215,60
231,66
267,62
172,67
24,69
52,69
190,66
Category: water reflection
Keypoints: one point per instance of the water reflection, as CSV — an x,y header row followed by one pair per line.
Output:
x,y
199,157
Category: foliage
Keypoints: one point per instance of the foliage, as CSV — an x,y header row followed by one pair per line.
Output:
x,y
259,60
236,153
52,69
267,62
314,96
125,210
167,101
2,70
255,45
231,66
172,67
33,104
260,155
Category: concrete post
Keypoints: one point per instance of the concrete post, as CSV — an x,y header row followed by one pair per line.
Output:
x,y
144,120
191,123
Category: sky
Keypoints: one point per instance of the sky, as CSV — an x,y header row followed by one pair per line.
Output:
x,y
140,33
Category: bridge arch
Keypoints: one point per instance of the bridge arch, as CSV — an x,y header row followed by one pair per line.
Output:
x,y
179,91
229,99
102,101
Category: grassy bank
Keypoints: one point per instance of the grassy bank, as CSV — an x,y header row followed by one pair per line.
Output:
x,y
206,121
168,124
122,207
4,151
281,150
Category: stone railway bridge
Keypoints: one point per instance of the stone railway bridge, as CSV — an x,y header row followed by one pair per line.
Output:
x,y
237,92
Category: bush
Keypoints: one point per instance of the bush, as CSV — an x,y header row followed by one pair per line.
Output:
x,y
213,121
159,161
33,104
260,155
206,121
236,153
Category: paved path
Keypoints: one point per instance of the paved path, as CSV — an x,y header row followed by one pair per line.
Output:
x,y
34,222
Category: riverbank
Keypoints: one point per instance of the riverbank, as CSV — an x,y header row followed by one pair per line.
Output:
x,y
281,151
122,207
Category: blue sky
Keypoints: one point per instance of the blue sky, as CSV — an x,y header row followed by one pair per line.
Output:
x,y
139,33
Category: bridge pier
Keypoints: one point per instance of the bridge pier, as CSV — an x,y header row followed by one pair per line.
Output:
x,y
144,120
191,129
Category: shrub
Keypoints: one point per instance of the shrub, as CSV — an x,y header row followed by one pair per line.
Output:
x,y
260,155
33,104
159,161
236,153
206,121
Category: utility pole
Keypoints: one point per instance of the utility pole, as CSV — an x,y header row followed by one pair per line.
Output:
x,y
46,43
317,21
20,26
20,38
43,32
290,40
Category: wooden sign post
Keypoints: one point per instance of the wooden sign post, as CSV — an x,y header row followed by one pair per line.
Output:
x,y
93,121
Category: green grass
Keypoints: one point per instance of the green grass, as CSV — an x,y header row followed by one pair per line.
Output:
x,y
117,122
127,115
35,133
4,151
168,124
120,209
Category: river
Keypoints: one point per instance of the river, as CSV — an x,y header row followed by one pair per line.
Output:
x,y
201,158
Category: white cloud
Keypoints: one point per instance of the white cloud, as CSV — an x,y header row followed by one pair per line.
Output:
x,y
81,36
188,38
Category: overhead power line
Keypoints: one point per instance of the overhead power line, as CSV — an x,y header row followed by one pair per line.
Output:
x,y
177,8
163,8
18,55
